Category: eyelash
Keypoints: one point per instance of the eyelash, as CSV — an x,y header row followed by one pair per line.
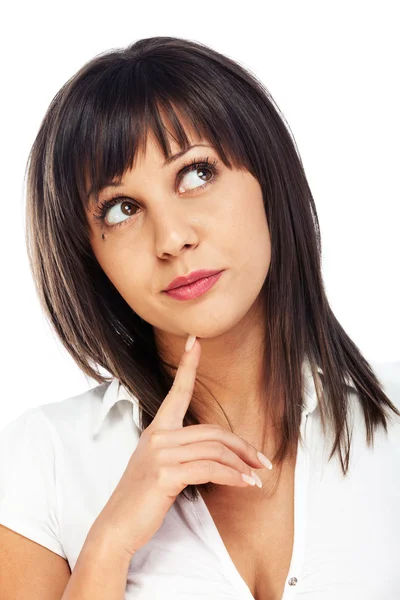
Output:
x,y
105,205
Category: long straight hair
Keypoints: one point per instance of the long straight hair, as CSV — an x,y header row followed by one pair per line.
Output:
x,y
91,132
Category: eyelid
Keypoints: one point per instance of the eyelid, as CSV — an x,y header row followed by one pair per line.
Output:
x,y
113,198
183,169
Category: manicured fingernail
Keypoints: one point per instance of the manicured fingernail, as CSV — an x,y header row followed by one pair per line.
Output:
x,y
248,479
264,460
190,342
258,480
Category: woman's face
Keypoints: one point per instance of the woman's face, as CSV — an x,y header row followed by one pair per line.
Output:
x,y
171,226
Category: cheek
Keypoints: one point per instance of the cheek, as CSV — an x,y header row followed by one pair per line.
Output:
x,y
249,236
257,257
128,271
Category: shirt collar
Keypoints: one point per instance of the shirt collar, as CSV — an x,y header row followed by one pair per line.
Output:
x,y
113,394
116,392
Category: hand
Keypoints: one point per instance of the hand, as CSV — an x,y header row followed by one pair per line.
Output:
x,y
169,457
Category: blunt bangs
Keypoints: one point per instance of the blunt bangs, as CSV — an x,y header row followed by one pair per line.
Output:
x,y
91,135
108,124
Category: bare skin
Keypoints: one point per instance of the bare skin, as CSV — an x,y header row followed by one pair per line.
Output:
x,y
258,529
172,231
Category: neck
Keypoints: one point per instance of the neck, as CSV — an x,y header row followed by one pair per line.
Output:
x,y
231,366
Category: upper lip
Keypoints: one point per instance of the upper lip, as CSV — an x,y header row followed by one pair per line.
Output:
x,y
194,276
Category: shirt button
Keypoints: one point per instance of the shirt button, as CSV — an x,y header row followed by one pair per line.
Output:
x,y
292,581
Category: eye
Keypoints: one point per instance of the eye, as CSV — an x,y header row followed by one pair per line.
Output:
x,y
192,177
107,211
112,207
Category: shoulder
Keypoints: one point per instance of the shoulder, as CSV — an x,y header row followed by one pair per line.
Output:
x,y
70,418
54,471
74,415
32,448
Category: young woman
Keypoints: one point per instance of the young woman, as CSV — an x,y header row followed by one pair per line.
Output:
x,y
167,203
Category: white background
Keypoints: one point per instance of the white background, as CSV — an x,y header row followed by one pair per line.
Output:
x,y
333,70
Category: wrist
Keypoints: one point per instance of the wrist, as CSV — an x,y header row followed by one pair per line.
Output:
x,y
105,544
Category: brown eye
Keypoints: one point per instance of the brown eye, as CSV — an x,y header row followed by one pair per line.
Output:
x,y
128,206
199,171
199,176
111,207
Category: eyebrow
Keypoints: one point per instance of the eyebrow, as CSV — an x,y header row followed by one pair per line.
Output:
x,y
168,161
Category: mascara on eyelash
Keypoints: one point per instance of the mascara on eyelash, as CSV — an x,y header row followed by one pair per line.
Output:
x,y
192,165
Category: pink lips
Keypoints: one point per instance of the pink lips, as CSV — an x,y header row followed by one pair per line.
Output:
x,y
195,289
191,278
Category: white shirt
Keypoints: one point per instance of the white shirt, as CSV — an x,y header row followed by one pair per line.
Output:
x,y
60,462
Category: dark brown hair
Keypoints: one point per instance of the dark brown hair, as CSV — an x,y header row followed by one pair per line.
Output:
x,y
93,128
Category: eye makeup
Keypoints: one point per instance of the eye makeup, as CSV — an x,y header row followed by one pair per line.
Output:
x,y
195,164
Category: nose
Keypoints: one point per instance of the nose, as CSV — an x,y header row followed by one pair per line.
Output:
x,y
173,230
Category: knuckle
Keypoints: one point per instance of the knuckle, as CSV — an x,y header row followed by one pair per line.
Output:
x,y
218,449
193,467
208,468
215,427
155,438
180,388
219,433
201,468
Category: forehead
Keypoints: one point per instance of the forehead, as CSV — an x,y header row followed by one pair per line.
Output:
x,y
122,145
149,148
152,149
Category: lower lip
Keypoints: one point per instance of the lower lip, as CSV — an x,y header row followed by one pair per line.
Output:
x,y
195,289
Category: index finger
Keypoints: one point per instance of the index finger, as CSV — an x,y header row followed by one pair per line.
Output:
x,y
172,411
